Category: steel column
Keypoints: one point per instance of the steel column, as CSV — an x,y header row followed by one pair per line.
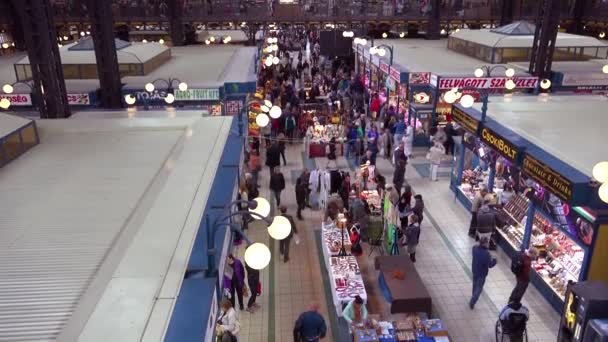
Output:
x,y
176,22
36,17
506,13
433,30
547,22
579,13
102,31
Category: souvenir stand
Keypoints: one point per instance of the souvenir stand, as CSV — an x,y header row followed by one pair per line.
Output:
x,y
548,208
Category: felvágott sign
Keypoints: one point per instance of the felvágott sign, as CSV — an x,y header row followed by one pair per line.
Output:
x,y
500,144
197,95
464,120
487,82
547,177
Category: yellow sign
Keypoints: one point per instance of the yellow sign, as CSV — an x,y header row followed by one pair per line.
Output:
x,y
500,144
547,177
464,120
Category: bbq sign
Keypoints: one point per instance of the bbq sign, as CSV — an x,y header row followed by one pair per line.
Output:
x,y
486,82
500,144
547,177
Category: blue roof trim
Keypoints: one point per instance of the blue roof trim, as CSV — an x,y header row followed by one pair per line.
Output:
x,y
192,307
506,133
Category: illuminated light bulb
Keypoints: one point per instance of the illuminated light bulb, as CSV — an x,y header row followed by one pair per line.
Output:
x,y
207,42
275,60
183,86
402,34
169,98
65,38
605,69
265,109
545,84
602,34
510,72
5,45
144,41
384,35
510,85
363,41
269,40
268,62
600,172
257,256
212,39
5,103
467,101
449,97
262,206
356,40
275,112
161,41
82,33
381,52
443,31
7,88
267,103
149,87
262,120
280,228
478,72
130,99
603,192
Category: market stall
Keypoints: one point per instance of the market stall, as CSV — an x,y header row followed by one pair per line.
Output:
x,y
344,275
551,205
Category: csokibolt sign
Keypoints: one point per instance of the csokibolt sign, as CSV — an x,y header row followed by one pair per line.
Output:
x,y
487,82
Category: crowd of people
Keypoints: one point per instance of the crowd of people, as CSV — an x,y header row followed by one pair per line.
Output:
x,y
371,130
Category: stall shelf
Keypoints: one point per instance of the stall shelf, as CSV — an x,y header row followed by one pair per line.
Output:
x,y
554,206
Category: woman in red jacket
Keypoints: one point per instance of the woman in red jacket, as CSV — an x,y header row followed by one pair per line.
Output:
x,y
374,106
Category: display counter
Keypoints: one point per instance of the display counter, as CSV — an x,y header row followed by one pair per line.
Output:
x,y
344,273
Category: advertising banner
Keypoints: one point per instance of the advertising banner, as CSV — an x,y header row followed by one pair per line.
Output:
x,y
18,99
79,99
487,82
584,79
384,67
420,78
208,94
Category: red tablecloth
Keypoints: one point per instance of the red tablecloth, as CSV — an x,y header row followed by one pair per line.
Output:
x,y
316,150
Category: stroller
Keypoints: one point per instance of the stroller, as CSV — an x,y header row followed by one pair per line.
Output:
x,y
512,323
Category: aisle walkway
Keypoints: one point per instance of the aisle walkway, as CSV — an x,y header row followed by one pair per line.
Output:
x,y
444,264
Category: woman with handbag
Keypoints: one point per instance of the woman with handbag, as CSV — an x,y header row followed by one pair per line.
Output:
x,y
228,325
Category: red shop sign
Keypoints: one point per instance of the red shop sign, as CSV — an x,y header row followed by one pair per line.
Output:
x,y
18,99
395,74
487,82
420,78
384,67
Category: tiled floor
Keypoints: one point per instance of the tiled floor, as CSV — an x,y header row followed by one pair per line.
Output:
x,y
443,262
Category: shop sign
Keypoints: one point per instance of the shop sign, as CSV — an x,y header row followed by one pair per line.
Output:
x,y
18,99
156,95
434,80
499,144
422,98
463,119
395,74
233,107
79,99
547,177
486,82
420,78
584,79
384,67
209,94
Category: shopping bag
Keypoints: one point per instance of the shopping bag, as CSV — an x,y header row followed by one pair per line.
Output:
x,y
245,291
296,238
259,288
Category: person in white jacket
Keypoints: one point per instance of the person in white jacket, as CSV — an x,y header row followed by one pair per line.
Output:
x,y
408,141
436,152
227,324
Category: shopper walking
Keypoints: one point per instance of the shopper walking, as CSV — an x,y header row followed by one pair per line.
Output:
x,y
435,155
521,267
254,166
286,242
282,148
273,157
277,184
399,175
310,326
418,208
482,262
253,280
237,282
412,236
301,190
477,203
486,223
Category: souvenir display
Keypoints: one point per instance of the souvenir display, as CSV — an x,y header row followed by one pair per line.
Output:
x,y
372,198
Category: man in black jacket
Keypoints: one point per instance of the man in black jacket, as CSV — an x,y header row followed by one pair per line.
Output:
x,y
284,244
277,184
301,190
273,157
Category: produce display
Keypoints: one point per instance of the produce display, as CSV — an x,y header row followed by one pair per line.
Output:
x,y
372,198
